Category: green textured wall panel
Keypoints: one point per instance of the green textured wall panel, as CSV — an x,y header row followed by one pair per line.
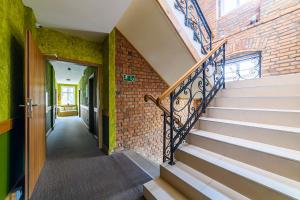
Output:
x,y
4,167
68,47
50,90
109,90
15,18
112,90
30,20
84,82
11,64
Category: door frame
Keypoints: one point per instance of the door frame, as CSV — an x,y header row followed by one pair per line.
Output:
x,y
99,94
99,97
91,79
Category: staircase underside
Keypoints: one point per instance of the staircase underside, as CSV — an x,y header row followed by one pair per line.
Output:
x,y
246,146
149,29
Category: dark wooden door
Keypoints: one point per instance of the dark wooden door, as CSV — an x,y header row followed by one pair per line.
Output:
x,y
91,105
35,136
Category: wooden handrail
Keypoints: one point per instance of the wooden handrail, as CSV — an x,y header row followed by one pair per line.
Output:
x,y
148,97
188,73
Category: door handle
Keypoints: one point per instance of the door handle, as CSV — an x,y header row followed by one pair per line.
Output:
x,y
29,107
23,106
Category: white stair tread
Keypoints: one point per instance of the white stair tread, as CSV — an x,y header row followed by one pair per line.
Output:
x,y
278,183
202,183
259,97
257,146
255,109
281,86
270,80
252,124
161,190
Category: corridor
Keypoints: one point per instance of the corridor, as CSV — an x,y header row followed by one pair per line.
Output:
x,y
76,169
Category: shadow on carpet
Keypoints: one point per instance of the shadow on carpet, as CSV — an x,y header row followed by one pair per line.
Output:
x,y
113,177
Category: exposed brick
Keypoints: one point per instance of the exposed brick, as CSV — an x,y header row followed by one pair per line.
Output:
x,y
139,124
278,39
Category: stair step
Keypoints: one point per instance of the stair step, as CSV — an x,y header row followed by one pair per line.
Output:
x,y
196,185
282,161
262,91
282,136
158,189
248,180
265,116
289,79
287,102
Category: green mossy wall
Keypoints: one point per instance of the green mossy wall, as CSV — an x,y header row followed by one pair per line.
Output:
x,y
50,89
109,92
12,26
84,82
59,92
68,47
15,18
50,84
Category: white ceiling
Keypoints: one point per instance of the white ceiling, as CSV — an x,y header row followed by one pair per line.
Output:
x,y
62,73
83,18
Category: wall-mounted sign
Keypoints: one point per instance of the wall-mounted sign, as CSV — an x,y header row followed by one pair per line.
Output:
x,y
129,78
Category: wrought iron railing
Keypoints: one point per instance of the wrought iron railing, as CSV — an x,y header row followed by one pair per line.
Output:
x,y
247,66
195,20
189,97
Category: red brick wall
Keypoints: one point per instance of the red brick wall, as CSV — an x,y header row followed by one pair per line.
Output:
x,y
278,40
272,7
276,35
139,124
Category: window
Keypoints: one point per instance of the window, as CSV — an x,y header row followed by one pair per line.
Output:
x,y
243,67
68,95
225,6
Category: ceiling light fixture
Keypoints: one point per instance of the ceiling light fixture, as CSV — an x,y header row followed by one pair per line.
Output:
x,y
38,26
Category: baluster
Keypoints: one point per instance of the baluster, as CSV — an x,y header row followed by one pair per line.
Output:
x,y
215,71
172,99
223,65
259,62
186,12
164,136
210,42
204,88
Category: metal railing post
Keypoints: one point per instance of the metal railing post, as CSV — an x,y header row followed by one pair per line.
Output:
x,y
204,88
164,137
186,12
172,129
224,62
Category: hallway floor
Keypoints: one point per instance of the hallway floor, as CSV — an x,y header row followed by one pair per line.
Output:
x,y
76,169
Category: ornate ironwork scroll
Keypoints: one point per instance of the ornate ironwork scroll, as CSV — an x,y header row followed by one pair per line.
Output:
x,y
190,99
243,67
195,20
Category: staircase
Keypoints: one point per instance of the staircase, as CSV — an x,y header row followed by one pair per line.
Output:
x,y
245,146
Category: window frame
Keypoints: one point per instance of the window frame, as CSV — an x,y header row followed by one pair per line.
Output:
x,y
68,95
220,4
